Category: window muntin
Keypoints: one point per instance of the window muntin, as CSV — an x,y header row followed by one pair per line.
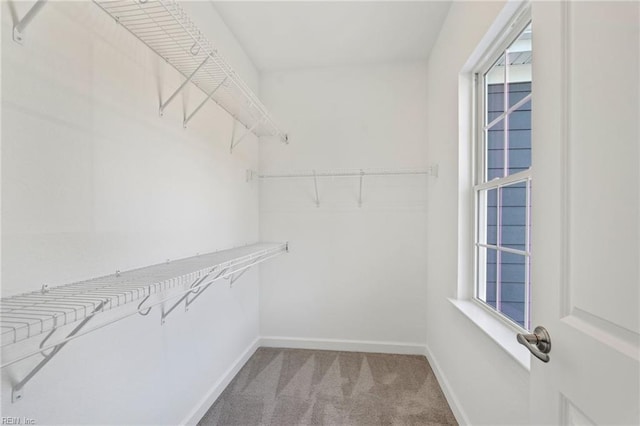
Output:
x,y
503,184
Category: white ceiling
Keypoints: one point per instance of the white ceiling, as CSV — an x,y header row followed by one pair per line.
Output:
x,y
281,35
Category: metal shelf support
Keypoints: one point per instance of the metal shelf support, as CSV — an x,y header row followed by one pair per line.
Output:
x,y
187,119
195,288
18,29
182,86
201,290
165,27
249,130
233,278
16,391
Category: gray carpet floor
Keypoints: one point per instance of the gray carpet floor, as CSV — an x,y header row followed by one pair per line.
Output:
x,y
286,387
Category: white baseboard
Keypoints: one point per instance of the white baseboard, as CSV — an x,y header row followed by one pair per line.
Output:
x,y
449,394
343,345
205,403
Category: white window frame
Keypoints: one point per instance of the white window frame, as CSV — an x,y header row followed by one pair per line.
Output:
x,y
479,181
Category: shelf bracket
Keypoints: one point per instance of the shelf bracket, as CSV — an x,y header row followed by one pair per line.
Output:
x,y
16,391
187,119
249,130
195,288
182,86
361,179
18,29
232,279
202,289
315,183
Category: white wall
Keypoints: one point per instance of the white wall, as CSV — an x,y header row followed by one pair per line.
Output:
x,y
93,181
487,385
353,274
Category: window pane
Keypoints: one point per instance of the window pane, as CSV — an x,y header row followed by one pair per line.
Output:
x,y
495,97
518,91
519,138
519,59
520,119
495,151
512,286
513,216
491,225
494,81
487,271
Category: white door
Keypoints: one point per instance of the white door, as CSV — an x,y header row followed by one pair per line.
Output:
x,y
586,211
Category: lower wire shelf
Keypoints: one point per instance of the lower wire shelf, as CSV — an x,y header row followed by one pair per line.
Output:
x,y
28,315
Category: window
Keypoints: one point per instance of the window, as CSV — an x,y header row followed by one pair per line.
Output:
x,y
502,184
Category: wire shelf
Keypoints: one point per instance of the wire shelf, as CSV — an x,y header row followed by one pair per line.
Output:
x,y
35,313
166,29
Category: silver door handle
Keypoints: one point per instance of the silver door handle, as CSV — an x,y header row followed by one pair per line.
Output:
x,y
538,343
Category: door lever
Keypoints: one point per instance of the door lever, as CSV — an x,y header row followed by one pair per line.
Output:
x,y
538,343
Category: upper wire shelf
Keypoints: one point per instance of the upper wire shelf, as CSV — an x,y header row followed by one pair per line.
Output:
x,y
167,30
38,312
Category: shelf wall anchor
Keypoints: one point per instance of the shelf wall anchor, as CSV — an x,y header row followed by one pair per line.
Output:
x,y
182,86
187,119
18,29
16,391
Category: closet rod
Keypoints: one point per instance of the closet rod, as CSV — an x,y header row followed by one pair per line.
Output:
x,y
349,173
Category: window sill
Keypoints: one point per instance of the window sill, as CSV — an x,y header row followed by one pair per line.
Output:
x,y
496,329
